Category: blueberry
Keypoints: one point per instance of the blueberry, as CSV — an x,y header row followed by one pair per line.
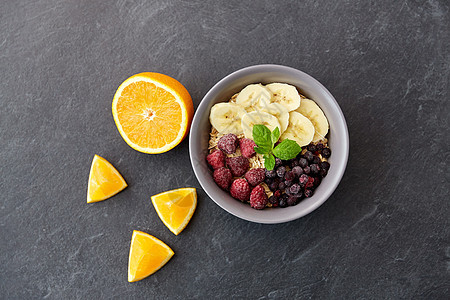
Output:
x,y
314,168
316,160
295,188
282,203
303,179
273,199
317,181
308,193
326,152
273,186
307,170
282,185
291,201
302,162
309,155
271,174
268,180
319,147
293,163
324,165
289,176
278,162
323,172
312,148
281,171
288,182
297,171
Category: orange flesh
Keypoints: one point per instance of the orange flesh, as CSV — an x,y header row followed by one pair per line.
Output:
x,y
149,115
175,207
147,255
105,181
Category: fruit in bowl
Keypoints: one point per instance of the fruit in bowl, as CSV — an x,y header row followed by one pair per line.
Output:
x,y
255,145
245,145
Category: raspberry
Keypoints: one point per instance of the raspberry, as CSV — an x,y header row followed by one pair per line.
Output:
x,y
258,198
228,143
240,189
277,194
310,183
247,147
222,176
238,165
216,159
255,176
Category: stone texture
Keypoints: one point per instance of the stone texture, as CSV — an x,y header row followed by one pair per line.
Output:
x,y
383,234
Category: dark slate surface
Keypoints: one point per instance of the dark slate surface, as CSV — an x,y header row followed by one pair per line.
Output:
x,y
383,234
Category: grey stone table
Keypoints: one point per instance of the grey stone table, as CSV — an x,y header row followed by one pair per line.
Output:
x,y
384,233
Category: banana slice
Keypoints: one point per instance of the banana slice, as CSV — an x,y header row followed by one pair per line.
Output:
x,y
258,117
300,129
253,95
280,112
226,117
312,111
285,94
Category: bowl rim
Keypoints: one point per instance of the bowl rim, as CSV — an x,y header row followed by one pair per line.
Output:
x,y
224,82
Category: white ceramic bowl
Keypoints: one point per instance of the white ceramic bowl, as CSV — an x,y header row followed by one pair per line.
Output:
x,y
308,86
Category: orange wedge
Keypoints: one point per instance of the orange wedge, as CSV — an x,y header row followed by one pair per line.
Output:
x,y
176,207
147,255
104,180
153,112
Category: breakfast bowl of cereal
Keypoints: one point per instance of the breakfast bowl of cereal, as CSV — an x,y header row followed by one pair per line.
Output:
x,y
269,144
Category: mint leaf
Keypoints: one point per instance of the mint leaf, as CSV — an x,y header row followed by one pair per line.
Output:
x,y
287,149
275,135
269,161
262,137
262,150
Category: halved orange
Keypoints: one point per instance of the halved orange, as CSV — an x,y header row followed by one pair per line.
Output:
x,y
104,180
176,207
153,112
147,255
